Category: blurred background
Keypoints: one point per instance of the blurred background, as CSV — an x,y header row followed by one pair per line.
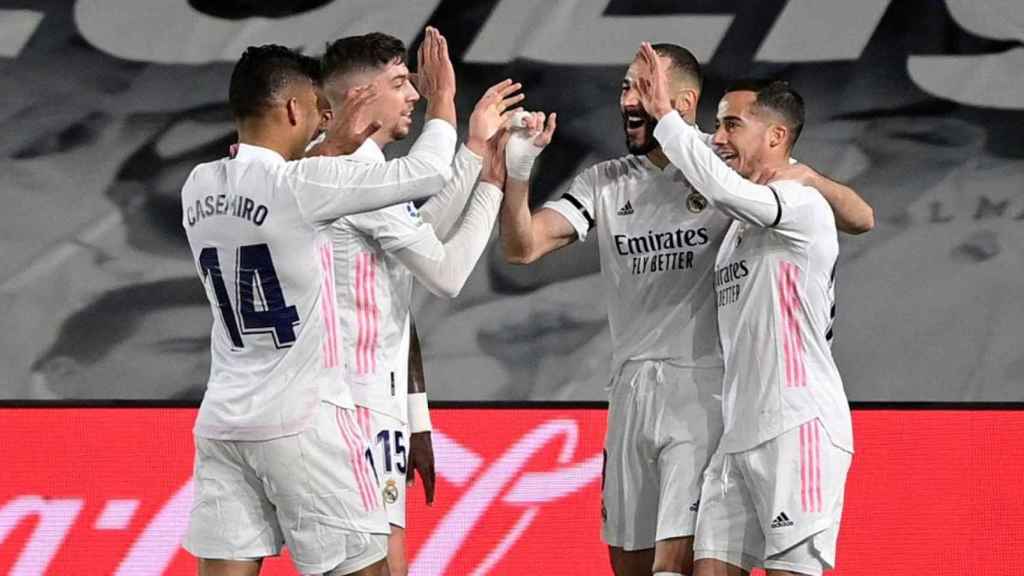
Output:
x,y
106,105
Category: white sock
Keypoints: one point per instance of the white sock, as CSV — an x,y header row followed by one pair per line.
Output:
x,y
668,574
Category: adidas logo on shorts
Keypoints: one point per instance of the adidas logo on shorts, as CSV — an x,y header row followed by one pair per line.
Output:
x,y
626,209
781,521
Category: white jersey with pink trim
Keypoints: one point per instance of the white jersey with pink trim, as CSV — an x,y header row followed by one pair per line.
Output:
x,y
658,238
258,229
774,290
374,292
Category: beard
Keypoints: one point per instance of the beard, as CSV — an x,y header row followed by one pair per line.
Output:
x,y
399,132
647,142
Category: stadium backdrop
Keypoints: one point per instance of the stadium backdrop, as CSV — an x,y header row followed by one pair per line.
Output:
x,y
108,103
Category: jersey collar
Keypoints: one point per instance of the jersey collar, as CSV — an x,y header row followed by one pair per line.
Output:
x,y
250,153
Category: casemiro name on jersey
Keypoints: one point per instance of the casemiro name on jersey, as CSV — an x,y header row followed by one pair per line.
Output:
x,y
660,251
235,205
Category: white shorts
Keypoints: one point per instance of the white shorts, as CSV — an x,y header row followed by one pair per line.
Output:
x,y
313,491
777,505
389,441
664,422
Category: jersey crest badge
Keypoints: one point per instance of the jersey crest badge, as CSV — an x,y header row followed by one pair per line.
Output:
x,y
390,492
695,202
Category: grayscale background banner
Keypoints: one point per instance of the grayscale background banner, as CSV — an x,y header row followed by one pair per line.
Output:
x,y
106,105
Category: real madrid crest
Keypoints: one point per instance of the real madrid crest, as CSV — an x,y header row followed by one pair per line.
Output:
x,y
695,202
390,492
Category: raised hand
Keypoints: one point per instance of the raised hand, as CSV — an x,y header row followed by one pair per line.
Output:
x,y
530,134
491,112
494,170
435,76
349,128
652,83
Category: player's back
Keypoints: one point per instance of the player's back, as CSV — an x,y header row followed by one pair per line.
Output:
x,y
267,270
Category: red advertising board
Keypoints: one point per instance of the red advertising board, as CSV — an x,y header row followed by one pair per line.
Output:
x,y
108,491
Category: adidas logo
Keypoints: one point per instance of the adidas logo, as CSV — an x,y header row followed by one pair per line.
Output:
x,y
626,209
781,521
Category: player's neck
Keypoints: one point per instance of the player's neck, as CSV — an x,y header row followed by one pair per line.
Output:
x,y
772,164
658,158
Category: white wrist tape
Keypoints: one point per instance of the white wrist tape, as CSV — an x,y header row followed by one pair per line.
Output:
x,y
419,413
520,152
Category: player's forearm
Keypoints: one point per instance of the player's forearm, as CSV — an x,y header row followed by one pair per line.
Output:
x,y
443,210
445,276
417,382
516,223
723,187
853,214
442,107
418,411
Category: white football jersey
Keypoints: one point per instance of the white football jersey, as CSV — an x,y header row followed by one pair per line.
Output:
x,y
374,293
774,290
658,238
258,229
374,286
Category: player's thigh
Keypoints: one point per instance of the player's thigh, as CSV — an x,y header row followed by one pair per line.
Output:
x,y
398,563
631,482
715,567
631,562
797,483
327,499
389,447
366,566
209,567
674,555
728,532
232,517
687,429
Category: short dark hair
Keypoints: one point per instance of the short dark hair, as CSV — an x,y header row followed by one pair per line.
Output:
x,y
359,53
262,73
778,97
683,61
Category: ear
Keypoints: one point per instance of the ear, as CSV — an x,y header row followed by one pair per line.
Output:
x,y
778,135
292,106
685,101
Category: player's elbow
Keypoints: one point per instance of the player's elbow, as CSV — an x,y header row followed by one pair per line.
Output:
x,y
445,287
518,253
447,290
520,258
864,223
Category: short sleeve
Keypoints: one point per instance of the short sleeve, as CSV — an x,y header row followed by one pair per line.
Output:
x,y
578,203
